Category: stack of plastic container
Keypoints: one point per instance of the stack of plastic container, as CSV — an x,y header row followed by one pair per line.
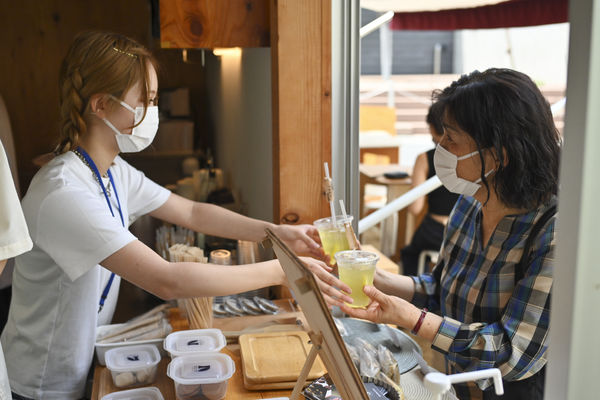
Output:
x,y
197,368
133,366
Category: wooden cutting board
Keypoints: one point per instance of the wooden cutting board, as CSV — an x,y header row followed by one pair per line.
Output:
x,y
271,386
276,357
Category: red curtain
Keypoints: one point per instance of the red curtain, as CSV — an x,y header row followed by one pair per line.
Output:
x,y
511,13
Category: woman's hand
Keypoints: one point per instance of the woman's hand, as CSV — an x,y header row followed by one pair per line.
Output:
x,y
302,239
335,292
384,309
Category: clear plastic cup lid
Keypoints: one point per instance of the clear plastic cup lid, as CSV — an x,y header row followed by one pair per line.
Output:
x,y
201,368
356,257
328,223
147,393
131,358
194,341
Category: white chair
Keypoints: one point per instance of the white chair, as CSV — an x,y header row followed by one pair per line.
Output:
x,y
433,256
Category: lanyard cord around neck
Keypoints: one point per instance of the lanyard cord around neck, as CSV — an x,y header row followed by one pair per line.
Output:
x,y
90,163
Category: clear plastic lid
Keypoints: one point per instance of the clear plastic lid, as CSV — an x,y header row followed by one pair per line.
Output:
x,y
194,341
327,223
132,358
201,369
356,257
147,393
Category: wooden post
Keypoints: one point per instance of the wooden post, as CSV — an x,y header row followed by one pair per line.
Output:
x,y
301,70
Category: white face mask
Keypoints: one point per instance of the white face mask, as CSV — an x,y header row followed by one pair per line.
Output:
x,y
141,135
445,168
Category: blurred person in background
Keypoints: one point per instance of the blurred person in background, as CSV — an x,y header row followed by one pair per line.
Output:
x,y
430,232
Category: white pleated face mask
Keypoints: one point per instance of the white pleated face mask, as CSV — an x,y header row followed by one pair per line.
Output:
x,y
445,168
142,134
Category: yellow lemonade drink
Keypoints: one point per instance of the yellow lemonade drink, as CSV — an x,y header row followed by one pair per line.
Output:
x,y
333,237
357,269
333,241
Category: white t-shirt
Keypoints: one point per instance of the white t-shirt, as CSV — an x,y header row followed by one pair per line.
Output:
x,y
52,321
14,238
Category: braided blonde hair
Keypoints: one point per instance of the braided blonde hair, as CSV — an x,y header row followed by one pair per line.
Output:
x,y
97,63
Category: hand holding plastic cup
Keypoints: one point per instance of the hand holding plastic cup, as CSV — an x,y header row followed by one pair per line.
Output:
x,y
357,269
333,236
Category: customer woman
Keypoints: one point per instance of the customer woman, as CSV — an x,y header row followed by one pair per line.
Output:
x,y
440,202
489,294
78,208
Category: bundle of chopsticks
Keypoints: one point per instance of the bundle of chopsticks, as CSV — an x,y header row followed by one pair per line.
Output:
x,y
197,309
153,324
167,236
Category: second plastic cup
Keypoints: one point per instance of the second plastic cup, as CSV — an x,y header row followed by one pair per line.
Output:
x,y
357,269
333,236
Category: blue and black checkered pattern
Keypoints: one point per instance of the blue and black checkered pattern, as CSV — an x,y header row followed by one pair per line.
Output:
x,y
492,316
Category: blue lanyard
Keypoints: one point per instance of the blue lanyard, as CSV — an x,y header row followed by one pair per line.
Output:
x,y
92,165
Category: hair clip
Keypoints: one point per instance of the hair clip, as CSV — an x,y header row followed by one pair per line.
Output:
x,y
124,52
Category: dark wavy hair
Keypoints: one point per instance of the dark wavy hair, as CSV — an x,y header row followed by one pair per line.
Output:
x,y
435,117
502,109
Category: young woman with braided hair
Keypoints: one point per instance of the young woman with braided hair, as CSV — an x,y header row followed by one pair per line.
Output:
x,y
78,208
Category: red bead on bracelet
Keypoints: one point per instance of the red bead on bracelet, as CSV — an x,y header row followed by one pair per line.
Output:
x,y
415,330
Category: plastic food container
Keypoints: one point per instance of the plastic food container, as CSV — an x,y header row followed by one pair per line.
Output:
x,y
146,393
133,365
102,348
196,341
201,376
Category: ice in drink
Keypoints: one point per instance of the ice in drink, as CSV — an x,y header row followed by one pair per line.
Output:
x,y
333,236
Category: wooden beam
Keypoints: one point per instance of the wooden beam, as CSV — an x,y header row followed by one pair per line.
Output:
x,y
301,69
210,24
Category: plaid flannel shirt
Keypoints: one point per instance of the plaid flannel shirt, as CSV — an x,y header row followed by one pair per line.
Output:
x,y
488,321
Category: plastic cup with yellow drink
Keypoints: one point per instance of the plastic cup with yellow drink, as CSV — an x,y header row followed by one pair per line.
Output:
x,y
333,236
357,269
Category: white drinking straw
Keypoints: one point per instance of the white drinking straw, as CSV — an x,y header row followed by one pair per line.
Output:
x,y
330,183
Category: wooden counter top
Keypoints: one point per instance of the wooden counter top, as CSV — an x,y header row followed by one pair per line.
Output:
x,y
384,263
103,383
412,380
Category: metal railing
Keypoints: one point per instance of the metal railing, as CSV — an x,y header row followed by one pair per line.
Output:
x,y
376,24
398,204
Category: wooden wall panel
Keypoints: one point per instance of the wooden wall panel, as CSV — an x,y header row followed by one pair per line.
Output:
x,y
35,37
301,59
209,24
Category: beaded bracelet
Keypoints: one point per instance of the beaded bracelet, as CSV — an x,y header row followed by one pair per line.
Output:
x,y
415,330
